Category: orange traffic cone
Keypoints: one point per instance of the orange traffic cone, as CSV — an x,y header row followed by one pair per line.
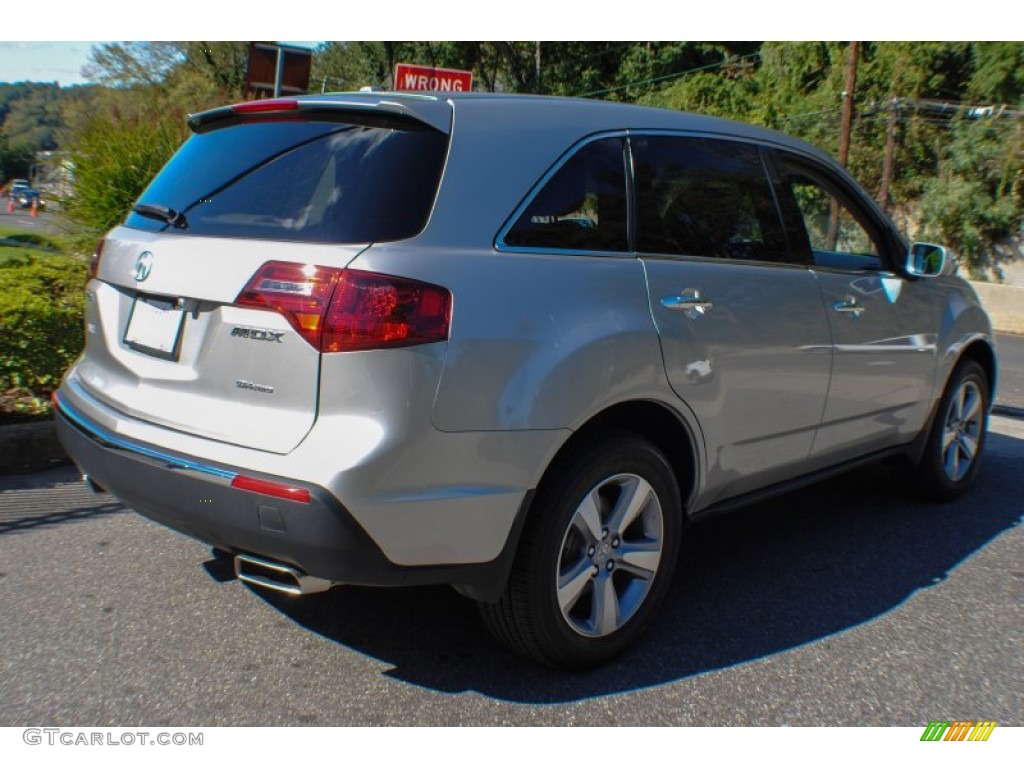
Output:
x,y
34,210
10,204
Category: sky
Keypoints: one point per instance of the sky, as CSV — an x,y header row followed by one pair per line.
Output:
x,y
43,62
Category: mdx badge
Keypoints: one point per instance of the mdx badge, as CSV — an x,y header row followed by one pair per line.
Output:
x,y
258,334
143,266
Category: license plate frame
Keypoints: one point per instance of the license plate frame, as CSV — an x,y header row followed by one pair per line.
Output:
x,y
154,327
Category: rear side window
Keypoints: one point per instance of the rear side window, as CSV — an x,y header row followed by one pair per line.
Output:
x,y
705,197
301,181
582,207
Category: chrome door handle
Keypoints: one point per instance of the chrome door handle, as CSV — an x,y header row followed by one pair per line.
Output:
x,y
686,301
850,305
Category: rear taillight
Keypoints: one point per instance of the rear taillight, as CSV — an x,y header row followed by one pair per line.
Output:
x,y
371,311
347,310
94,263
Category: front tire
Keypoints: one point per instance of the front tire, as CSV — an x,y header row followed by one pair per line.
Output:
x,y
596,557
953,451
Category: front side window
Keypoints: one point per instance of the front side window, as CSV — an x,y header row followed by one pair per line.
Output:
x,y
704,197
582,207
836,236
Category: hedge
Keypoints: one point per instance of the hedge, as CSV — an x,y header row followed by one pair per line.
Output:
x,y
41,305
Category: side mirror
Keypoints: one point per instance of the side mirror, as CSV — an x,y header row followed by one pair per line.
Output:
x,y
926,260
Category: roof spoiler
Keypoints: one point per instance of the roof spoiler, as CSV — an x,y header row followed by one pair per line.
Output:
x,y
382,112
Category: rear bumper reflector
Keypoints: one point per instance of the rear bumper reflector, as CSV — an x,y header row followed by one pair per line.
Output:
x,y
268,488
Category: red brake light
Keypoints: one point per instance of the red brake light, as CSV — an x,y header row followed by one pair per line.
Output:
x,y
268,488
94,263
347,310
267,105
371,311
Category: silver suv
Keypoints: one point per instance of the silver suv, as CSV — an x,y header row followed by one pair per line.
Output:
x,y
508,343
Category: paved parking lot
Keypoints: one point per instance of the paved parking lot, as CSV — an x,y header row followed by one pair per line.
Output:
x,y
847,603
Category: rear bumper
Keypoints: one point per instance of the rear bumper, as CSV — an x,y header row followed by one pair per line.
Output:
x,y
197,499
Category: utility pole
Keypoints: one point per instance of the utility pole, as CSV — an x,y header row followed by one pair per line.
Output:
x,y
890,150
537,68
847,120
844,137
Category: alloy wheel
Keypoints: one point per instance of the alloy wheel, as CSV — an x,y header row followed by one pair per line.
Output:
x,y
609,555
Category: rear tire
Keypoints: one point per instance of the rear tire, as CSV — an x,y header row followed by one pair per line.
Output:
x,y
596,557
953,451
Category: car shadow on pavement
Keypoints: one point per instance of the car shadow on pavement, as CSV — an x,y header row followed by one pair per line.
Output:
x,y
46,499
775,576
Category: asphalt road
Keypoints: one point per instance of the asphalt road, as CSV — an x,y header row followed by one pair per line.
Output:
x,y
45,223
847,603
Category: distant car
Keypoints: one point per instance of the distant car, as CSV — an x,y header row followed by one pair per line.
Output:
x,y
14,187
507,343
23,198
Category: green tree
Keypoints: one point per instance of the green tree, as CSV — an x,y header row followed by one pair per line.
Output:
x,y
975,203
15,160
115,153
955,173
122,137
194,74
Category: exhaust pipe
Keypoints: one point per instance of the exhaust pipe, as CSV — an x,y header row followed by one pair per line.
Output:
x,y
277,576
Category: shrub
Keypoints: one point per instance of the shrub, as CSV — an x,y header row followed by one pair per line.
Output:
x,y
41,305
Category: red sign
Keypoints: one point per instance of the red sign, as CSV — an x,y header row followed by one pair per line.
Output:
x,y
413,77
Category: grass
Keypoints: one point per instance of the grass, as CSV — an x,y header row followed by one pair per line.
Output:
x,y
31,239
70,242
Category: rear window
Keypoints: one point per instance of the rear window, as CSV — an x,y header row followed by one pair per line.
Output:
x,y
301,181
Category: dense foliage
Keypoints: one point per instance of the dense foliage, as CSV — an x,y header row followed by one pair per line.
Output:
x,y
116,154
948,116
41,304
120,140
953,114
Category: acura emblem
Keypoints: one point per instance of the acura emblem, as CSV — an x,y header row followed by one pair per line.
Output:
x,y
143,266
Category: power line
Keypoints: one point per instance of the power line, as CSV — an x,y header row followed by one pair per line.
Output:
x,y
732,60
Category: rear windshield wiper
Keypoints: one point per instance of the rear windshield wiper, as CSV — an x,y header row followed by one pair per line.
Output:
x,y
162,213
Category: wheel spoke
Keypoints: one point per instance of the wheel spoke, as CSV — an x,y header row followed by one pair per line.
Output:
x,y
972,406
605,615
632,500
968,445
948,436
641,557
572,584
953,461
961,395
588,518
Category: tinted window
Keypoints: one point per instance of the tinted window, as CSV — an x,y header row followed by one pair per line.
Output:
x,y
582,207
307,181
836,237
704,197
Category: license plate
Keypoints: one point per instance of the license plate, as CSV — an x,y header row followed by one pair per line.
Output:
x,y
154,328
